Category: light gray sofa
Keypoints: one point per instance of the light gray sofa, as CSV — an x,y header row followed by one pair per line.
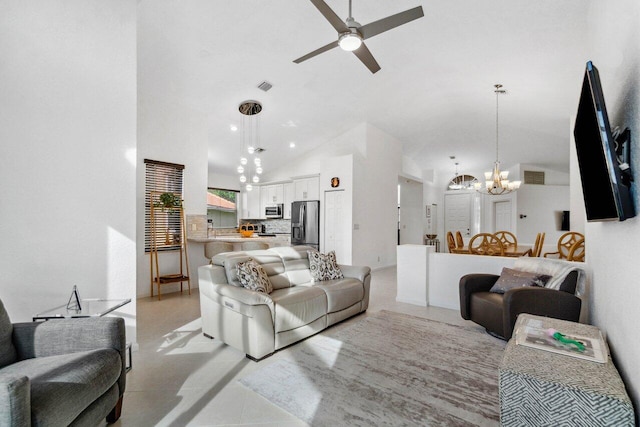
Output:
x,y
61,372
258,324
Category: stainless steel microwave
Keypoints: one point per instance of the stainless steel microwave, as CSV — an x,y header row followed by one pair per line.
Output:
x,y
273,211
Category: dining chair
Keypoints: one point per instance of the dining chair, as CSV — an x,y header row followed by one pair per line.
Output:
x,y
486,244
451,243
507,238
576,253
536,251
565,242
459,240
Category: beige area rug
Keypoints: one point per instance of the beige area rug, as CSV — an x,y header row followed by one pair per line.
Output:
x,y
388,369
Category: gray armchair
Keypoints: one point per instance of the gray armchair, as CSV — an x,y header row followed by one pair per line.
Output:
x,y
61,372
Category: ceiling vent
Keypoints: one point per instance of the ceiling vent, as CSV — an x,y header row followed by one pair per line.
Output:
x,y
534,177
265,86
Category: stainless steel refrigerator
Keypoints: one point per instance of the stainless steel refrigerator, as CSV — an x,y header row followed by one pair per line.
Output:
x,y
305,223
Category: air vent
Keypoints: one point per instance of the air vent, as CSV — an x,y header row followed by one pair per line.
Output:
x,y
265,86
534,177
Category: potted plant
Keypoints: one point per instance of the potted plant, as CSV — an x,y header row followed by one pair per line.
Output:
x,y
169,202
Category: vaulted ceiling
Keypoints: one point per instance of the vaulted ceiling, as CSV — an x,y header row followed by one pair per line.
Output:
x,y
434,92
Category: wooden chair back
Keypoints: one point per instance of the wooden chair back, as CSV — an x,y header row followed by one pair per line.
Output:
x,y
537,248
565,242
459,240
451,243
507,238
576,253
486,244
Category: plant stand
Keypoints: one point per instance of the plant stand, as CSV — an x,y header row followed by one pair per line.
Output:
x,y
168,235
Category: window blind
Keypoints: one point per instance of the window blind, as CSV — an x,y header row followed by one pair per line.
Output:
x,y
162,177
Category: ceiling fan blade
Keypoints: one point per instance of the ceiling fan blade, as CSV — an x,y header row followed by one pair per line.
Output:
x,y
364,54
316,52
331,16
386,24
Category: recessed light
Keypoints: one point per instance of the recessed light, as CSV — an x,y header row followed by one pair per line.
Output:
x,y
292,145
233,128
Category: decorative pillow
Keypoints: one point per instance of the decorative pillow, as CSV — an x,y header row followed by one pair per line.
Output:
x,y
510,279
252,276
324,266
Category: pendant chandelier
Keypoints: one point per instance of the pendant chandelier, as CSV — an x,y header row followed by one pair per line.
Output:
x,y
497,182
250,164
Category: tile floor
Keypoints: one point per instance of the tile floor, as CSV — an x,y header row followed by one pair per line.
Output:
x,y
181,378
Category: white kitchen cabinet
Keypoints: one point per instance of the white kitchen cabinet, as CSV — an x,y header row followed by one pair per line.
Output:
x,y
251,208
306,188
288,199
275,194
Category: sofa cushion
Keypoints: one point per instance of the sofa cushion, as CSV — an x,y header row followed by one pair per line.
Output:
x,y
341,293
252,276
269,260
297,306
7,350
324,266
510,279
63,386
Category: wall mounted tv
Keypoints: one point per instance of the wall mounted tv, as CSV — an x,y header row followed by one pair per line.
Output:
x,y
605,176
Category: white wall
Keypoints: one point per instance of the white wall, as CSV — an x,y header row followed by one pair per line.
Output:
x,y
543,206
68,132
170,132
226,182
412,212
612,247
375,199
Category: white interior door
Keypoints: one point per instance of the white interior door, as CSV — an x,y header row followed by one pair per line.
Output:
x,y
334,225
502,216
457,214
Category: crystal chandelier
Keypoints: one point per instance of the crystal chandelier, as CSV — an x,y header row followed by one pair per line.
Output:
x,y
497,181
249,170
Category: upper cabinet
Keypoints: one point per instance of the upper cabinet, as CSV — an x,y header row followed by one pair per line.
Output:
x,y
306,189
251,206
272,194
288,199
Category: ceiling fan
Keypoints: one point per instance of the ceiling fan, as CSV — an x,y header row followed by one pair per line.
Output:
x,y
351,34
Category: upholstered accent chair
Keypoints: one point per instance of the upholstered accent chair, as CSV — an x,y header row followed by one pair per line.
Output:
x,y
61,372
497,312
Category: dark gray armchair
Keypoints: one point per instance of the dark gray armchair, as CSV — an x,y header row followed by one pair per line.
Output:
x,y
61,372
498,312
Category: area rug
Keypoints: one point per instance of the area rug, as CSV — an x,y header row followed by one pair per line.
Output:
x,y
387,369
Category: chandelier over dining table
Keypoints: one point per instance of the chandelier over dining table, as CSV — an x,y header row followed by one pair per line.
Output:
x,y
496,181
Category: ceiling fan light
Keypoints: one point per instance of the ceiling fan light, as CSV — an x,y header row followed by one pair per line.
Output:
x,y
350,41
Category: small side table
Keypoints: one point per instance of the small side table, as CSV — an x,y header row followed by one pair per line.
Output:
x,y
432,242
542,388
91,307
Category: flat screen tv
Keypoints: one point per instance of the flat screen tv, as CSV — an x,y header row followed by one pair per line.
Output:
x,y
604,185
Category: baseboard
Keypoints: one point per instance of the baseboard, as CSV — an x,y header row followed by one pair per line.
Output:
x,y
412,301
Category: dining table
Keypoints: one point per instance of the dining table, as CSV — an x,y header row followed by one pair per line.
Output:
x,y
510,251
